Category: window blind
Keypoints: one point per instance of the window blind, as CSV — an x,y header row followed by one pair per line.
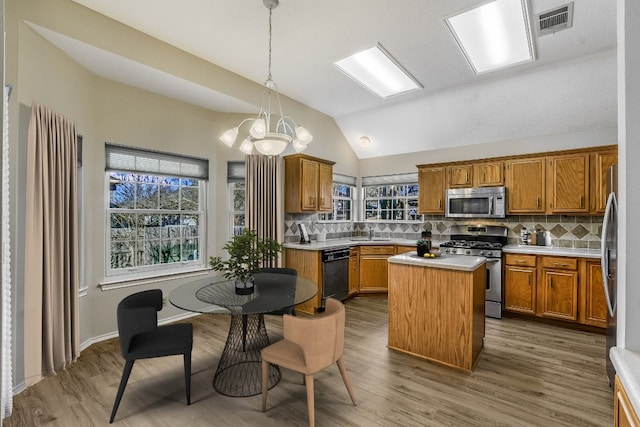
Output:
x,y
235,171
136,160
401,178
344,179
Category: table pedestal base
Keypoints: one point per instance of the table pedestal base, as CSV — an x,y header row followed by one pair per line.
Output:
x,y
239,372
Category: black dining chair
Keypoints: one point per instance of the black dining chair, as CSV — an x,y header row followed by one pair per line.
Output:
x,y
291,272
142,338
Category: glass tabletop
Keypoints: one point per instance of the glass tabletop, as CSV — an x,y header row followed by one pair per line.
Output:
x,y
273,291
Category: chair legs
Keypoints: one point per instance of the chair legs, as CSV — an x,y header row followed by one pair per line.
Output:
x,y
123,383
265,383
345,378
187,376
308,380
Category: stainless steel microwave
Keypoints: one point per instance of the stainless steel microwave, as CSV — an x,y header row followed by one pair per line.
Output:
x,y
483,202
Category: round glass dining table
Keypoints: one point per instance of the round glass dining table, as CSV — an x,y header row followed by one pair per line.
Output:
x,y
239,370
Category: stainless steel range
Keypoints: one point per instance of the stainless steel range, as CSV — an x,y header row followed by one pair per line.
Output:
x,y
486,241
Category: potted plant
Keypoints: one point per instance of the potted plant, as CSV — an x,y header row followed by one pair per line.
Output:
x,y
247,255
422,247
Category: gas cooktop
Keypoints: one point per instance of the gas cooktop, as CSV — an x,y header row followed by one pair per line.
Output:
x,y
471,244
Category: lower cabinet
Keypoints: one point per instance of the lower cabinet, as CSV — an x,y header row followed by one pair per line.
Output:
x,y
623,413
309,265
563,288
354,270
374,268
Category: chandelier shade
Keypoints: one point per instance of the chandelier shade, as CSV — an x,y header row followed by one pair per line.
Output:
x,y
261,136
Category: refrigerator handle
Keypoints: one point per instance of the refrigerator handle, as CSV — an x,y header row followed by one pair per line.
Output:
x,y
605,252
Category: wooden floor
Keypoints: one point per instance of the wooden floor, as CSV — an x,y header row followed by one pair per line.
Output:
x,y
530,374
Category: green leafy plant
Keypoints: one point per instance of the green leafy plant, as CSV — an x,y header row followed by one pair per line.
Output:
x,y
247,255
422,242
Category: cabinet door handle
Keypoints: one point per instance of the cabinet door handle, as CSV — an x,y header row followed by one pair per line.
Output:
x,y
439,203
529,280
520,261
560,264
581,201
537,201
551,282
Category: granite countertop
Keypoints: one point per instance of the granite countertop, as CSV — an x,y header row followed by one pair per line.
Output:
x,y
627,364
353,241
551,250
449,262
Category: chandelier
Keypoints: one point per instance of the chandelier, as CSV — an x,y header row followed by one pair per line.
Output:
x,y
269,141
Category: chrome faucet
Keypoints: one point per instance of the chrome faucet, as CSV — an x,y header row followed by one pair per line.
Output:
x,y
371,233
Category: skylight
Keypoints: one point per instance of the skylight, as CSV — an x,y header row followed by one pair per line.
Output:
x,y
493,36
378,72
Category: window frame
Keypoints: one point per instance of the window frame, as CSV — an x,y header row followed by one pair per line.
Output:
x,y
322,217
230,203
391,186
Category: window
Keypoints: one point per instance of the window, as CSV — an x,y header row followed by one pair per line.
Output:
x,y
342,203
391,198
237,192
236,203
156,220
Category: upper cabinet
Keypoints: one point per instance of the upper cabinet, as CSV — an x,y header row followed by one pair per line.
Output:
x,y
488,174
526,185
431,182
568,183
308,184
601,161
460,176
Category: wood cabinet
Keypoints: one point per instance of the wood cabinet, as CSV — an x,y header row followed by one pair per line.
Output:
x,y
488,174
374,268
555,287
520,283
558,288
308,265
354,270
460,176
568,180
600,163
431,183
308,184
526,184
623,413
403,249
593,305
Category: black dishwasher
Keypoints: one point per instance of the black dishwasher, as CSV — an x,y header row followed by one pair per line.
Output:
x,y
335,273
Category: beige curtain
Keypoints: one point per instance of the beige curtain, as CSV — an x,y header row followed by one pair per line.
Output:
x,y
263,204
51,325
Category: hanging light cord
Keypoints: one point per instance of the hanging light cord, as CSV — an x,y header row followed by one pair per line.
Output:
x,y
270,12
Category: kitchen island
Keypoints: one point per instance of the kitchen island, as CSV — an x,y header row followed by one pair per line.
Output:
x,y
436,308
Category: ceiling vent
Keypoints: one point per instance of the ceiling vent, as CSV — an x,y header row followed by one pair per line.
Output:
x,y
554,20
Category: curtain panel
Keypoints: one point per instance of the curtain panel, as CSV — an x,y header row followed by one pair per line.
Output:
x,y
263,200
51,325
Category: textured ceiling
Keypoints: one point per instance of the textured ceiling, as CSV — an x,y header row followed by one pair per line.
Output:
x,y
570,86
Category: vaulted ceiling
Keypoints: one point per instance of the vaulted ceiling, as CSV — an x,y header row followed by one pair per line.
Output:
x,y
570,86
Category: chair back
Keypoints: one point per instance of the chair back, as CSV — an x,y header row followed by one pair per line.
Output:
x,y
321,338
137,313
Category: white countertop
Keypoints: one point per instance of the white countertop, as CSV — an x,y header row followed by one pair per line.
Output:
x,y
353,241
449,262
627,364
552,250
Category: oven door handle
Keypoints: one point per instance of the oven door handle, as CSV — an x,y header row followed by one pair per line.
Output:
x,y
493,260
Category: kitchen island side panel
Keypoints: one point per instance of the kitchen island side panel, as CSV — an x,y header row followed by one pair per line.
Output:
x,y
437,314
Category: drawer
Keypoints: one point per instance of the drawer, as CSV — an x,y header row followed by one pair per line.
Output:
x,y
520,260
560,263
377,250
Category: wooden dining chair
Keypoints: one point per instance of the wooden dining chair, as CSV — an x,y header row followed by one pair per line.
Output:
x,y
142,338
309,345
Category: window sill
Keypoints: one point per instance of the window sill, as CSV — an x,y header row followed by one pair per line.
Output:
x,y
119,283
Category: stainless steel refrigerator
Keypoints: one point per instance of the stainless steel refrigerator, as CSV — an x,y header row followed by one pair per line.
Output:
x,y
609,257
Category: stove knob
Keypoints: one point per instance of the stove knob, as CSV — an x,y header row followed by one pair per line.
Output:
x,y
447,250
454,250
489,253
482,253
467,251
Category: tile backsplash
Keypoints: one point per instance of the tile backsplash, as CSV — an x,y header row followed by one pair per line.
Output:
x,y
566,231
